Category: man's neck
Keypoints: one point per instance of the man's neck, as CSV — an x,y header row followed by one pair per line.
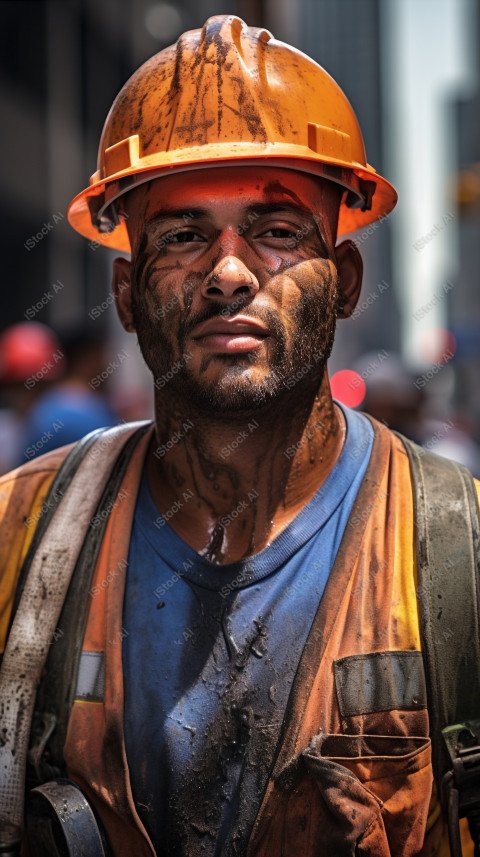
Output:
x,y
229,488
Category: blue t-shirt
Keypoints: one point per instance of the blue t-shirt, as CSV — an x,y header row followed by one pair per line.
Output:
x,y
209,655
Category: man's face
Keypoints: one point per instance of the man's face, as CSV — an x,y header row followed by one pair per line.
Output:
x,y
234,287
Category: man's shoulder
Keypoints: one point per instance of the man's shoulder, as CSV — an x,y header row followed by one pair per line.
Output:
x,y
25,488
23,495
399,442
50,462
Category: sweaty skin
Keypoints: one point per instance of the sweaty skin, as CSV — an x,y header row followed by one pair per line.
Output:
x,y
246,430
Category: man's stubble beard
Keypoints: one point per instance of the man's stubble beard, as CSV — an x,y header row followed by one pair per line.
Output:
x,y
295,367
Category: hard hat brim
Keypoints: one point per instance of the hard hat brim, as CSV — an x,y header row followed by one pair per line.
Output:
x,y
294,157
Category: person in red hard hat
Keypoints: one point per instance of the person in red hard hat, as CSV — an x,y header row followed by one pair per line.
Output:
x,y
27,350
30,358
237,668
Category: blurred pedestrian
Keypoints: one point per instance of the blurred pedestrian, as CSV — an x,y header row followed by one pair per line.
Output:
x,y
30,359
77,404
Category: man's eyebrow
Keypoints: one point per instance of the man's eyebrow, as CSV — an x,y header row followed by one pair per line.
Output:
x,y
257,209
274,207
185,214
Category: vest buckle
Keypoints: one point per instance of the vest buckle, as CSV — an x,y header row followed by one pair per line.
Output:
x,y
461,785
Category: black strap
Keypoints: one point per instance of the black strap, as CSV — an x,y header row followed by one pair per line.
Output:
x,y
57,688
61,821
448,560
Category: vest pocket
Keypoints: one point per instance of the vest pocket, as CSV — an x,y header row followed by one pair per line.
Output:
x,y
375,792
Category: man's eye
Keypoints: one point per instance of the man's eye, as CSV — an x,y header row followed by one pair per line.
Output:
x,y
278,232
176,237
183,237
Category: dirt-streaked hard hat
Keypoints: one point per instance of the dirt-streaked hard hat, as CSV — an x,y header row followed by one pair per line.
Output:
x,y
228,94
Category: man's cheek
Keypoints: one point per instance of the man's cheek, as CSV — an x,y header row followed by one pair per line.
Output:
x,y
306,278
166,306
318,274
315,303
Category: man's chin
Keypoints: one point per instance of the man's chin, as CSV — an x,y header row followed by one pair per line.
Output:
x,y
232,393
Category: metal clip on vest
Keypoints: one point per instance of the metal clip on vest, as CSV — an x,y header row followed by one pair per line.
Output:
x,y
61,823
461,785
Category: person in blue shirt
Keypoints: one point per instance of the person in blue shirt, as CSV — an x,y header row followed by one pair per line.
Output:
x,y
74,405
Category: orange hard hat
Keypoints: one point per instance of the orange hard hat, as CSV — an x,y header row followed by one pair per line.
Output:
x,y
228,93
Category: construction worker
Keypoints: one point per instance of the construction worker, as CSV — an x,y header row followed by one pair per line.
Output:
x,y
31,359
247,677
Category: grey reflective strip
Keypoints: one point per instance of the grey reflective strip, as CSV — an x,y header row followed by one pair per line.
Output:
x,y
91,677
380,681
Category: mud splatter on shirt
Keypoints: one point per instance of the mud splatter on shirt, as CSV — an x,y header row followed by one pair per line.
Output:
x,y
209,659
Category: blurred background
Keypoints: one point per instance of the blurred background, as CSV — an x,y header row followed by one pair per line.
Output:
x,y
411,353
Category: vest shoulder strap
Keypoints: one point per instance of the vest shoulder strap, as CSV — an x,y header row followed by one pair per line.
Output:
x,y
448,562
57,489
56,690
79,489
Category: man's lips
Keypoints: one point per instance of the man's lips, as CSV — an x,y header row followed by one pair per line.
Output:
x,y
230,336
236,324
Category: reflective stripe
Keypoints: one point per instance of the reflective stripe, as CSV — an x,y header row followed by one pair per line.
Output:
x,y
380,681
91,677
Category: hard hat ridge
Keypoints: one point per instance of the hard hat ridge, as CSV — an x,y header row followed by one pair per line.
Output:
x,y
219,69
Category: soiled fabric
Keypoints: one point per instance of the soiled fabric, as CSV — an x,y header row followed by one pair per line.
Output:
x,y
210,653
372,795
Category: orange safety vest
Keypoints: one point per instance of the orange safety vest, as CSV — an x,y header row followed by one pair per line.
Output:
x,y
353,763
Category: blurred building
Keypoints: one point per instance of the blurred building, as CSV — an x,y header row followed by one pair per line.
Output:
x,y
465,303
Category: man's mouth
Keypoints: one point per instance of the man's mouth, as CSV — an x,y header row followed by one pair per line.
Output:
x,y
237,335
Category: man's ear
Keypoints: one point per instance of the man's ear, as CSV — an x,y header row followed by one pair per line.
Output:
x,y
122,291
350,272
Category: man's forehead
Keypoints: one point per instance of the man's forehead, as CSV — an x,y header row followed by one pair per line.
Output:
x,y
240,185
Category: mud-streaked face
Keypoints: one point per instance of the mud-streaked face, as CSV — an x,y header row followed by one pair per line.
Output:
x,y
234,284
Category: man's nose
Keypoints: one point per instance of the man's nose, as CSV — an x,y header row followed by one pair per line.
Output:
x,y
229,279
